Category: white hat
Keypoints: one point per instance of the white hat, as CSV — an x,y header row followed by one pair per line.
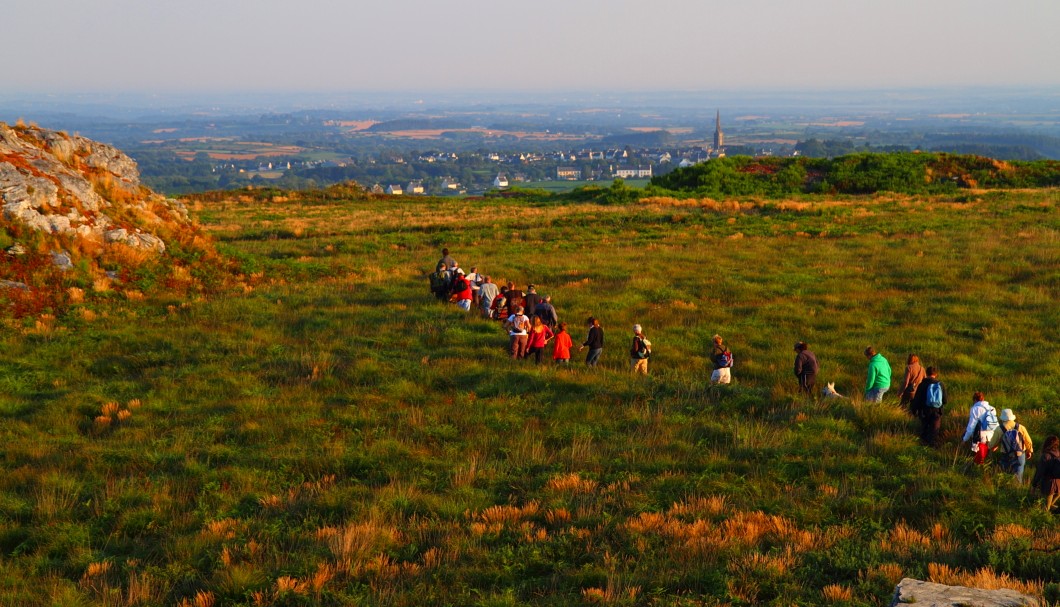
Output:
x,y
636,329
1007,415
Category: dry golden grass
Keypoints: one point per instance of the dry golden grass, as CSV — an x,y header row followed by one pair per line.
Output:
x,y
571,483
834,593
984,578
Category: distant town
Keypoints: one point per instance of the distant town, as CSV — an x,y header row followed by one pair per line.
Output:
x,y
469,148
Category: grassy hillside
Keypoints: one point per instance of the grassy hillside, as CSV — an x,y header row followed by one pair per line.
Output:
x,y
330,434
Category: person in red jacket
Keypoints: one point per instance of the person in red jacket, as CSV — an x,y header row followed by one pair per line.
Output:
x,y
462,291
562,346
540,335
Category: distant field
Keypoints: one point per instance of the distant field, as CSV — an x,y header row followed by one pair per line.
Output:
x,y
326,433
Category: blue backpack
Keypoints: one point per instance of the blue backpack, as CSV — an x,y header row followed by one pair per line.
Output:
x,y
1012,442
934,396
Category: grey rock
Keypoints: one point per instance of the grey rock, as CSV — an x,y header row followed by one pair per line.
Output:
x,y
58,183
61,260
11,284
928,594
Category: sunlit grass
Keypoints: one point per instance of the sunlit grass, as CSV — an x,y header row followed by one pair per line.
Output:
x,y
332,435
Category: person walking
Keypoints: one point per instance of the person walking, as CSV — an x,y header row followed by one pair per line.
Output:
x,y
486,294
639,352
447,260
1047,475
878,377
805,368
595,342
518,328
563,344
462,291
982,422
475,280
914,374
531,299
546,312
538,337
440,282
927,404
1015,445
722,359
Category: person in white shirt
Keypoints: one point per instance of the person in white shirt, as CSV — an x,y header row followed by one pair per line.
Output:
x,y
982,423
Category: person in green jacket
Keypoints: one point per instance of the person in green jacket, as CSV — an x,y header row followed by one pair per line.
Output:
x,y
879,376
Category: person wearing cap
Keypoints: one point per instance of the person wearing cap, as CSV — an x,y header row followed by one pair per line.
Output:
x,y
531,300
878,377
594,341
518,328
1015,445
722,359
639,351
805,368
462,291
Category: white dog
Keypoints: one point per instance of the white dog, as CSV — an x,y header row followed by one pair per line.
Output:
x,y
829,391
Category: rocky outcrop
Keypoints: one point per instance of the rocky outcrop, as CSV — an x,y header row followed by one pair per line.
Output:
x,y
72,187
928,594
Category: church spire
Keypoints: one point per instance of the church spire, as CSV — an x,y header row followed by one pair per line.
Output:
x,y
719,137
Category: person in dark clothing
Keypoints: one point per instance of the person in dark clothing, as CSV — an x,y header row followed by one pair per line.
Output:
x,y
531,299
927,404
805,368
1047,476
595,342
440,283
547,312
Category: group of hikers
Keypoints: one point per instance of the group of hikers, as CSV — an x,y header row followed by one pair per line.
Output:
x,y
532,323
529,318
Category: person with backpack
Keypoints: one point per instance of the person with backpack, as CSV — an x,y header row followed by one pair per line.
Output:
x,y
518,332
805,368
982,422
878,379
639,352
440,282
927,404
462,290
722,359
1015,445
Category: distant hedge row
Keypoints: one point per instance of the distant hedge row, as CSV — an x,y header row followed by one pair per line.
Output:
x,y
864,173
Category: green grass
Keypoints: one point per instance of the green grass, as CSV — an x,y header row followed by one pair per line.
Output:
x,y
334,436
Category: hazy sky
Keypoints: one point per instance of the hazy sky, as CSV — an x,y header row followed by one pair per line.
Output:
x,y
400,45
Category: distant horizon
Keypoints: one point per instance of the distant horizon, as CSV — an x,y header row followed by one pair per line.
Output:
x,y
311,100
